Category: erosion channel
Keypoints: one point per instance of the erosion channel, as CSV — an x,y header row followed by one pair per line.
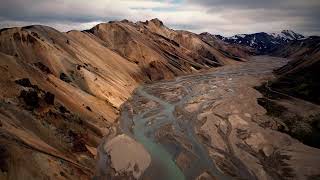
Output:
x,y
167,118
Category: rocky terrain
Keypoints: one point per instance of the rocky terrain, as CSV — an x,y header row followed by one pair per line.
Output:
x,y
127,100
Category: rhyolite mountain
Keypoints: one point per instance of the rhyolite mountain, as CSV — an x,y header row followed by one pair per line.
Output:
x,y
262,42
61,92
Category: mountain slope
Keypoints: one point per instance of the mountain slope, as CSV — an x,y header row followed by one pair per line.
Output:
x,y
61,92
191,41
300,76
231,49
161,53
66,56
293,97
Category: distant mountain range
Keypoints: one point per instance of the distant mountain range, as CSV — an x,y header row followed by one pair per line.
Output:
x,y
263,42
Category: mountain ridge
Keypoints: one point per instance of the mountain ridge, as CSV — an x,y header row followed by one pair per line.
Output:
x,y
263,42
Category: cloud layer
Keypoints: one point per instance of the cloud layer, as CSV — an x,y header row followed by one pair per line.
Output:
x,y
226,17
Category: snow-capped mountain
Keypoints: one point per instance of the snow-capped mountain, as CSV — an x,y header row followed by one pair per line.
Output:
x,y
263,42
287,35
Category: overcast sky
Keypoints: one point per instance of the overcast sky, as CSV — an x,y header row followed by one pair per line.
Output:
x,y
226,17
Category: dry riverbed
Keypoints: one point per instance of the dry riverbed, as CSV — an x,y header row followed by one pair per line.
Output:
x,y
210,126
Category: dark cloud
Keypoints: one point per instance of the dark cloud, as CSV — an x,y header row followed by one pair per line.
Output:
x,y
300,15
257,4
56,10
217,16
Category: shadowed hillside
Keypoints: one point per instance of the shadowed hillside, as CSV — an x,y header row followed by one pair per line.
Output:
x,y
300,77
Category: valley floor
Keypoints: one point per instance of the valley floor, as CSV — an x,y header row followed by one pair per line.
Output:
x,y
210,126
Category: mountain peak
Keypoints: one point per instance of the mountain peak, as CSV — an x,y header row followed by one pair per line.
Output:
x,y
205,34
291,34
125,21
287,31
157,22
